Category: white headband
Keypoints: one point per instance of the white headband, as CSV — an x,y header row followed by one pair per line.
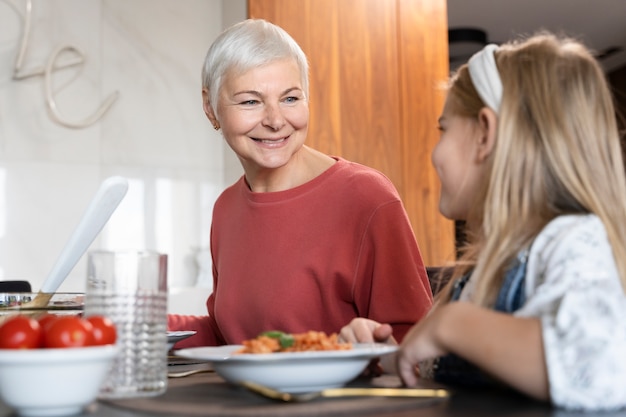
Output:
x,y
484,74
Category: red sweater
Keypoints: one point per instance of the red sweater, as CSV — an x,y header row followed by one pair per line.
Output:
x,y
311,258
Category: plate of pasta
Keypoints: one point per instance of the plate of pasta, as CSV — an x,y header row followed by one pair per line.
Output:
x,y
291,368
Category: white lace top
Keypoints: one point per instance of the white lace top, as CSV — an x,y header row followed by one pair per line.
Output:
x,y
573,286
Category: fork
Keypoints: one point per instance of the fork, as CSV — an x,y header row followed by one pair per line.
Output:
x,y
183,374
344,392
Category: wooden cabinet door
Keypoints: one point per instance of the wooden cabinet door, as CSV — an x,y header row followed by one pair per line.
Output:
x,y
375,66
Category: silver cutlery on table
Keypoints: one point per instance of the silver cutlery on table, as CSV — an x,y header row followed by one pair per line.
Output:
x,y
183,374
345,392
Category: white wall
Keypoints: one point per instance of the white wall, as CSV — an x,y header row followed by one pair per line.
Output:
x,y
155,134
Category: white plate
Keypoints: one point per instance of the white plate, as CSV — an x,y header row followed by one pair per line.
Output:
x,y
177,336
290,371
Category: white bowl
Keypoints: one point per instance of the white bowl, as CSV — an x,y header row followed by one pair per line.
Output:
x,y
53,382
290,371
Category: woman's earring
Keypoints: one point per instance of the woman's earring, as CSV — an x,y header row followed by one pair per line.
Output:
x,y
216,126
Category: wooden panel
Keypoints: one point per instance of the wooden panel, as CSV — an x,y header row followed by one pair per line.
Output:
x,y
423,66
373,70
370,113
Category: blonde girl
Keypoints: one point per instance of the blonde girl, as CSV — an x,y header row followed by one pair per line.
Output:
x,y
530,158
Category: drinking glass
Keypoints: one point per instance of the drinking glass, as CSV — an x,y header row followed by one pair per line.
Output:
x,y
130,287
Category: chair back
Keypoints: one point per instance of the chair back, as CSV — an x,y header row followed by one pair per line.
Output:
x,y
438,277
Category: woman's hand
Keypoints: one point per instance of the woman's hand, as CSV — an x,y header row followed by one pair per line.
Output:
x,y
361,330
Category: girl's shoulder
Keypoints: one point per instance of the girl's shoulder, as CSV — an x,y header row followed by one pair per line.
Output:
x,y
571,245
570,228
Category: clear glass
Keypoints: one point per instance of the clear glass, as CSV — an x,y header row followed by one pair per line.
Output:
x,y
130,287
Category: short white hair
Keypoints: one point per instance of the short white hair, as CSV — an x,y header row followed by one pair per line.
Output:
x,y
246,45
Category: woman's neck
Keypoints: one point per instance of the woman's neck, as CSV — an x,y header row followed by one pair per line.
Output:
x,y
305,165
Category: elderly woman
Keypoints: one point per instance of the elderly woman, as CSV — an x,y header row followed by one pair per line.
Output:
x,y
302,241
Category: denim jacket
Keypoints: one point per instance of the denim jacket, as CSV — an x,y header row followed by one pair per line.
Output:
x,y
451,369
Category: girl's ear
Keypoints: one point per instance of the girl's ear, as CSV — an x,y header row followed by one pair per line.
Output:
x,y
208,109
487,124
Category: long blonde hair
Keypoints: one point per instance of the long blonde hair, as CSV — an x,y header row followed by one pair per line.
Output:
x,y
557,152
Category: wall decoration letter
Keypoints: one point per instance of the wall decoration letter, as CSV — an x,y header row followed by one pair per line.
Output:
x,y
54,63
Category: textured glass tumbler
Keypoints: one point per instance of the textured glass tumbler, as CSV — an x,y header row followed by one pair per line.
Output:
x,y
130,287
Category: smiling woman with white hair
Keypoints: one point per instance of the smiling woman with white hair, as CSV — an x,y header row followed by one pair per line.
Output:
x,y
302,241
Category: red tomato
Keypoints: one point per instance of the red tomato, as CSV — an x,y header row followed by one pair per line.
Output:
x,y
46,319
104,332
20,332
68,331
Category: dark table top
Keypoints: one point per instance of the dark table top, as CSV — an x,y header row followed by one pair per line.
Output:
x,y
208,395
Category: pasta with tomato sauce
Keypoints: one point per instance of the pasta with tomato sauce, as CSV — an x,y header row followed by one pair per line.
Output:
x,y
275,341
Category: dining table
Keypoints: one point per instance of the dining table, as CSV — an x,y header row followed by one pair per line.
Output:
x,y
207,394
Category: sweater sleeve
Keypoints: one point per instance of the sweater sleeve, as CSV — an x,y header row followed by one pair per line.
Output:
x,y
393,286
208,333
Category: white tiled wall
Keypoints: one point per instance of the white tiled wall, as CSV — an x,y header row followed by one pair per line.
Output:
x,y
155,134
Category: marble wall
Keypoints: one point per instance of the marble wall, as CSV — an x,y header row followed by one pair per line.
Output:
x,y
59,63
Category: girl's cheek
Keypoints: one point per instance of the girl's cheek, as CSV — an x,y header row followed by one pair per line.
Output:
x,y
435,157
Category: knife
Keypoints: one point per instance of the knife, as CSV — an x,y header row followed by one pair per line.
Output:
x,y
345,392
